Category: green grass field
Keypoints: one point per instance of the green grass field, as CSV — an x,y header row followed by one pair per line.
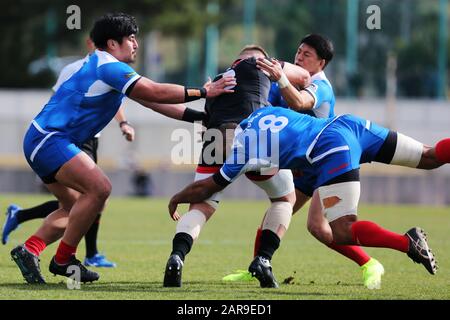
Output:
x,y
137,234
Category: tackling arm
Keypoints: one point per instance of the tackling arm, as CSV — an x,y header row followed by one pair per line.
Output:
x,y
174,111
193,193
151,91
289,78
298,76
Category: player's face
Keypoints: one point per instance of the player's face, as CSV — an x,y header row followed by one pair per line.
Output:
x,y
307,58
128,49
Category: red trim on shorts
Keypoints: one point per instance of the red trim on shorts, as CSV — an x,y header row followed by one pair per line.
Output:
x,y
203,169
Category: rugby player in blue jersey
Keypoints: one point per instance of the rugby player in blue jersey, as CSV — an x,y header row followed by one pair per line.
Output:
x,y
329,153
313,54
15,215
81,107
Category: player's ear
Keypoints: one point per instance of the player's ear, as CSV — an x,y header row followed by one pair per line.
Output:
x,y
112,44
323,62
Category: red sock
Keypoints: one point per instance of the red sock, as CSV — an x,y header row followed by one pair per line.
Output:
x,y
35,245
257,242
443,150
369,234
355,253
64,253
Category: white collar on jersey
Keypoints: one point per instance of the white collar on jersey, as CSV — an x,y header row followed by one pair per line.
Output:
x,y
319,76
104,57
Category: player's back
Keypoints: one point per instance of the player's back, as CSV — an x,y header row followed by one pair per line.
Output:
x,y
88,99
250,94
293,132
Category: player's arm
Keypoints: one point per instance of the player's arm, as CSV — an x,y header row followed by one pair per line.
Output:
x,y
290,79
194,193
204,189
174,111
124,79
297,76
124,125
151,91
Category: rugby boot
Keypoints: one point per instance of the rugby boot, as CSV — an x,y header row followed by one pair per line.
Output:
x,y
174,268
419,251
261,269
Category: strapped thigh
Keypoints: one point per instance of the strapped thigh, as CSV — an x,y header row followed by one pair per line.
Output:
x,y
340,199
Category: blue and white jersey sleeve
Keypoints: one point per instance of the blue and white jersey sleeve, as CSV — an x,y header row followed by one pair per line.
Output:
x,y
323,95
320,91
118,75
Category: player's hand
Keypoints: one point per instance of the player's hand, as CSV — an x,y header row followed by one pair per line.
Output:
x,y
173,210
127,131
271,68
216,88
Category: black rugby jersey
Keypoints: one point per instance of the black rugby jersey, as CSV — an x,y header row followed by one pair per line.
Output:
x,y
250,93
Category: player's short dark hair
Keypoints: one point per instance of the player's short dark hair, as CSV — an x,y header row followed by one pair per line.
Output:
x,y
113,26
254,47
322,45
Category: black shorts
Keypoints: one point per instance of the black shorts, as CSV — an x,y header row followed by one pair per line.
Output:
x,y
214,151
91,147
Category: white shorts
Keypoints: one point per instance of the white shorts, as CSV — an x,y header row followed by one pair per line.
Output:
x,y
279,185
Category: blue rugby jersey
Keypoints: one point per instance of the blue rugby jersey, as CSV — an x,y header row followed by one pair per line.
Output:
x,y
321,90
281,138
88,99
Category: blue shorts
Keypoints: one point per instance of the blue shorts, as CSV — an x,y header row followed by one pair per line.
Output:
x,y
47,151
342,147
305,183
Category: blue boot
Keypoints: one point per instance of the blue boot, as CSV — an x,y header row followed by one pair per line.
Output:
x,y
99,261
11,222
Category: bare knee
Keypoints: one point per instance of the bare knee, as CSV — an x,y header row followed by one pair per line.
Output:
x,y
342,229
322,234
206,208
290,198
300,200
102,190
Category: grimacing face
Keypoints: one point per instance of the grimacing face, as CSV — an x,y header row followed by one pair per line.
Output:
x,y
307,58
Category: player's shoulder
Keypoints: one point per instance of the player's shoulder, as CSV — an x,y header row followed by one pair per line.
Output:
x,y
320,80
105,60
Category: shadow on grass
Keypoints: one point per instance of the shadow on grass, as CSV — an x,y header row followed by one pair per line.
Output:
x,y
203,290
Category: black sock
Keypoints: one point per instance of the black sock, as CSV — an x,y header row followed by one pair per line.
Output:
x,y
182,244
91,238
269,244
40,211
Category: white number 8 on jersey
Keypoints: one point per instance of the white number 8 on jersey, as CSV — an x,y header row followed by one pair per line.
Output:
x,y
275,124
